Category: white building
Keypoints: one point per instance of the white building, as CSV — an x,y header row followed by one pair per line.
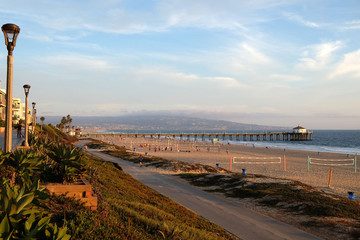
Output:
x,y
18,108
299,129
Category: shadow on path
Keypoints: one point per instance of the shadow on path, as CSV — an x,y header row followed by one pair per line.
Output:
x,y
15,140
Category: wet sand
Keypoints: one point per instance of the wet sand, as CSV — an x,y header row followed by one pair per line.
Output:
x,y
256,160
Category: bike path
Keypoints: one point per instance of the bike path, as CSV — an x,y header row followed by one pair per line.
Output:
x,y
242,222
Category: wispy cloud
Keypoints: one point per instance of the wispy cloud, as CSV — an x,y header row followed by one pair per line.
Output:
x,y
114,17
350,65
317,56
286,77
246,57
354,24
226,82
302,21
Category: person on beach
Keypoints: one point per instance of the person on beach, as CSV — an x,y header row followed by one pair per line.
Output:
x,y
140,160
18,127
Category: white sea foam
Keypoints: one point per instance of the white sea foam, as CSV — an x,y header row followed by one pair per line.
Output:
x,y
295,146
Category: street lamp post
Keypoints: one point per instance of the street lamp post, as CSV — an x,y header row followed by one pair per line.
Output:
x,y
33,117
11,32
27,89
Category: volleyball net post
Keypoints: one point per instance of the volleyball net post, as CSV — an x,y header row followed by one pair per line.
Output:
x,y
330,177
355,162
308,163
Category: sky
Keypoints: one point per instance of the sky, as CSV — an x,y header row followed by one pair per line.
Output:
x,y
269,62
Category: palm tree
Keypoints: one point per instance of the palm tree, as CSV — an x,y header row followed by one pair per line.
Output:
x,y
69,121
42,119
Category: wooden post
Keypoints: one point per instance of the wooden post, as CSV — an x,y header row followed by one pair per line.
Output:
x,y
284,163
230,163
330,176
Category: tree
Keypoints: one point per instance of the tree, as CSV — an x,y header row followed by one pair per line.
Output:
x,y
65,123
42,119
68,121
62,123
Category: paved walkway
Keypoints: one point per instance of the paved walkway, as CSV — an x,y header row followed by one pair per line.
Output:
x,y
235,218
15,140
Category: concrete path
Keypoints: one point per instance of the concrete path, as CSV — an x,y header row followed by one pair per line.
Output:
x,y
234,217
15,140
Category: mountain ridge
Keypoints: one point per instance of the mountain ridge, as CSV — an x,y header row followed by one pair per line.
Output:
x,y
160,122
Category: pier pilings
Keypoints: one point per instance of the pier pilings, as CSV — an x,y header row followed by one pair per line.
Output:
x,y
279,136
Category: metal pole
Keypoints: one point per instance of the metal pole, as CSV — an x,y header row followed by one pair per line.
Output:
x,y
26,120
9,90
35,120
32,120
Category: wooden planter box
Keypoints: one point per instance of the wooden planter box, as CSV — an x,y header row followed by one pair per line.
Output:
x,y
82,191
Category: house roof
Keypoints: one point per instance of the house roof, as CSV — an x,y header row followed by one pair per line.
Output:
x,y
299,127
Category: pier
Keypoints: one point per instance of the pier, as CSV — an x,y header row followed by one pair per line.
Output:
x,y
269,136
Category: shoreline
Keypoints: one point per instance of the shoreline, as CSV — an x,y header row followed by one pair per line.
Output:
x,y
300,147
324,145
343,179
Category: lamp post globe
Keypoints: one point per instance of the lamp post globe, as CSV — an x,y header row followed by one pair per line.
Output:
x,y
26,89
11,32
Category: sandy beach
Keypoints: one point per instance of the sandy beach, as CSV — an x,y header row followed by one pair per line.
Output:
x,y
256,160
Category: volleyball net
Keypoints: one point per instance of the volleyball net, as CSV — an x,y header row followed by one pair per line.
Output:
x,y
208,147
256,160
332,162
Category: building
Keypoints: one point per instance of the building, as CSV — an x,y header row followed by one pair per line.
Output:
x,y
2,104
17,111
299,129
18,108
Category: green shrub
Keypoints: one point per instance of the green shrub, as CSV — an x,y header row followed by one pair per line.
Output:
x,y
21,219
26,165
67,163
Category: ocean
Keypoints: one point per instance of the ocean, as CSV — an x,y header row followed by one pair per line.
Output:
x,y
336,141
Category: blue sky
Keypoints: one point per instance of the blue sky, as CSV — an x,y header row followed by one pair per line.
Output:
x,y
272,62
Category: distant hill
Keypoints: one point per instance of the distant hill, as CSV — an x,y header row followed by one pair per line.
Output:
x,y
160,123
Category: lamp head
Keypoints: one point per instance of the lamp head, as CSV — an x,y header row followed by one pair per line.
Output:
x,y
11,32
33,104
26,89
